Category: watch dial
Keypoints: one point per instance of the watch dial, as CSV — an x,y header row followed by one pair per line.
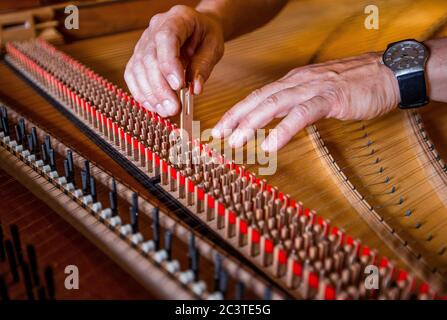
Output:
x,y
405,55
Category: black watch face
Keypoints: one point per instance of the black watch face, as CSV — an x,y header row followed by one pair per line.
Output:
x,y
406,55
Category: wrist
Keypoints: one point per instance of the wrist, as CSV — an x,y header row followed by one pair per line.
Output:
x,y
390,82
215,11
437,69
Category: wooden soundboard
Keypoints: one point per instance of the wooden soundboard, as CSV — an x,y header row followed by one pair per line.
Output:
x,y
382,181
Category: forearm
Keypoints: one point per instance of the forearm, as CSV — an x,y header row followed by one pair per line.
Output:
x,y
437,69
241,16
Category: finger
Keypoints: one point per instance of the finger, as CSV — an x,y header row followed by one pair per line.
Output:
x,y
132,83
276,105
298,118
168,41
240,110
166,101
202,63
144,93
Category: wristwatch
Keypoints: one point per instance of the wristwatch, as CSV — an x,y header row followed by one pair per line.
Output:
x,y
407,60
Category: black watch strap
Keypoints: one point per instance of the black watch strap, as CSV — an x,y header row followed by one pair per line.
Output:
x,y
413,92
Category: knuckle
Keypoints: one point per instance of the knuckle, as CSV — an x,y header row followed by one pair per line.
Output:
x,y
272,101
163,35
229,116
180,9
256,94
155,20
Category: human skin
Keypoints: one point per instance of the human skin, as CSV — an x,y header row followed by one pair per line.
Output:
x,y
355,88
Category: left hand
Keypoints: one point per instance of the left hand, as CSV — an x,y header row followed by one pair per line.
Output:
x,y
354,88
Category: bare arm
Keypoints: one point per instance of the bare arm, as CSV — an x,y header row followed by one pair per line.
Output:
x,y
239,17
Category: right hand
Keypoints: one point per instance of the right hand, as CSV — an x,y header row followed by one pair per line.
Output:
x,y
175,40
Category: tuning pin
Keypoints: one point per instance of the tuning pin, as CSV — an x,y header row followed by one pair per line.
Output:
x,y
217,270
35,139
195,263
85,190
47,143
52,158
41,293
134,219
168,244
29,142
135,200
70,165
12,260
22,128
49,281
93,189
223,282
2,245
31,252
4,296
27,280
67,171
191,247
43,153
19,137
113,201
156,228
240,289
17,243
267,293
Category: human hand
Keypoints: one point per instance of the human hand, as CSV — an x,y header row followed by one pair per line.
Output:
x,y
348,89
179,38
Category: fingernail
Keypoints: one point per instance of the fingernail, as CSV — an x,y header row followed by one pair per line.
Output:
x,y
169,107
216,131
269,145
198,84
173,82
158,108
236,138
147,105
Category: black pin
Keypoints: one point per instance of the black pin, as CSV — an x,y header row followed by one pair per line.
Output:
x,y
93,189
5,123
43,153
85,190
49,280
168,244
195,263
47,142
191,247
29,142
67,171
27,281
267,293
217,270
12,260
156,228
22,128
32,258
19,137
135,200
41,294
35,139
70,164
223,283
134,219
240,289
16,241
87,170
2,245
52,157
113,203
4,296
